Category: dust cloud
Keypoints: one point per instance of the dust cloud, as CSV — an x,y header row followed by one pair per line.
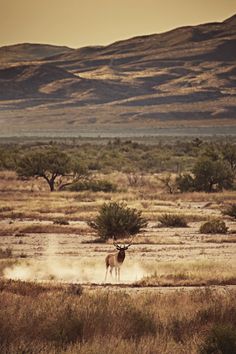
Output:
x,y
54,267
69,270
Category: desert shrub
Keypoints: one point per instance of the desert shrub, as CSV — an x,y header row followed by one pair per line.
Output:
x,y
94,186
185,183
172,220
221,339
230,211
213,227
116,220
61,221
5,253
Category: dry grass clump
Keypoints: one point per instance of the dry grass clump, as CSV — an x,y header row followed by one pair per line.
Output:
x,y
214,227
172,220
44,319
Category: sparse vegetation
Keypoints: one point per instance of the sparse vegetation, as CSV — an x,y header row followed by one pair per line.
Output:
x,y
214,227
172,220
44,318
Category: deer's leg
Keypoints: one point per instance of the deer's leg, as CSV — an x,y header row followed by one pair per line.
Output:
x,y
106,274
111,269
118,273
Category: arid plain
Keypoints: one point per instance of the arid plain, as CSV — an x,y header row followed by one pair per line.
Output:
x,y
177,274
146,123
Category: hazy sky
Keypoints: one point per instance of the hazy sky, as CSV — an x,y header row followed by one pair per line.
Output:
x,y
78,23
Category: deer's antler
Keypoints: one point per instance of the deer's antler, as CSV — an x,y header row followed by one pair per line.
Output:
x,y
116,245
130,243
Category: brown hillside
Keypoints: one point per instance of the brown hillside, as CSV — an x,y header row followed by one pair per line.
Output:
x,y
183,77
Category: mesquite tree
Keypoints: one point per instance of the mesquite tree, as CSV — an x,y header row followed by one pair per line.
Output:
x,y
51,165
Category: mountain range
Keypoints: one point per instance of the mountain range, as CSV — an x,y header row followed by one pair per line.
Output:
x,y
185,77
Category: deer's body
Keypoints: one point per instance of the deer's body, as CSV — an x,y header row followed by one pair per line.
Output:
x,y
115,260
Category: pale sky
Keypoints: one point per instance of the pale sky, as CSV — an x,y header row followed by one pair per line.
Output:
x,y
78,23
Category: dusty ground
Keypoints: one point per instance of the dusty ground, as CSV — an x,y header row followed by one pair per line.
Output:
x,y
44,251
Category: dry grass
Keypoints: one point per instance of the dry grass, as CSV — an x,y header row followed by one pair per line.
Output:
x,y
42,228
221,239
190,273
58,319
52,229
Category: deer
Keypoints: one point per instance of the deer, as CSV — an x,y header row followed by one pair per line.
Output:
x,y
115,260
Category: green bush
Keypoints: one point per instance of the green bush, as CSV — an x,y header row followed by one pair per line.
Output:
x,y
172,220
211,175
221,340
230,211
214,227
94,186
116,220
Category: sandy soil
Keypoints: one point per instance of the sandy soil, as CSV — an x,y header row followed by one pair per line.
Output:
x,y
69,258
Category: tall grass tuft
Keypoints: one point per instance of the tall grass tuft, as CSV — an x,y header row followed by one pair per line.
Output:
x,y
172,220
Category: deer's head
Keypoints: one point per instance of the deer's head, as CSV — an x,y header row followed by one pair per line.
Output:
x,y
122,248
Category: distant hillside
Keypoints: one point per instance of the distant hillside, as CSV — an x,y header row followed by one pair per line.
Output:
x,y
181,78
29,52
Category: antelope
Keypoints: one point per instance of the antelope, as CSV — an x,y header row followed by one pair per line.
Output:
x,y
115,260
